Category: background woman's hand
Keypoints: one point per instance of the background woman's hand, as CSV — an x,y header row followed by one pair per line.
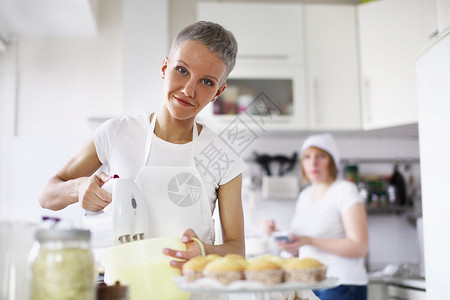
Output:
x,y
192,250
268,227
90,194
293,244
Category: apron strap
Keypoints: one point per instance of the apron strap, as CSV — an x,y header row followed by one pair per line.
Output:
x,y
149,139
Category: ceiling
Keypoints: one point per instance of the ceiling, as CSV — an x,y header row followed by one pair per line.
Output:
x,y
47,18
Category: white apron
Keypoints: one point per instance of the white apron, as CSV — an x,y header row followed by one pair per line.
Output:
x,y
175,196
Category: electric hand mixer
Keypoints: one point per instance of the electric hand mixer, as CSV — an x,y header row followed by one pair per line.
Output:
x,y
124,220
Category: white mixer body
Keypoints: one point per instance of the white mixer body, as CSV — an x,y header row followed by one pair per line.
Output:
x,y
125,219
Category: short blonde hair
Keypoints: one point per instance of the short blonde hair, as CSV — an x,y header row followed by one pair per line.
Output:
x,y
218,40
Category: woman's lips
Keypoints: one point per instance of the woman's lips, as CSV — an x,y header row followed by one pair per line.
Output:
x,y
182,102
314,172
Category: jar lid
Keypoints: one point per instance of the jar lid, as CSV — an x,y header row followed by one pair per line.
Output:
x,y
62,234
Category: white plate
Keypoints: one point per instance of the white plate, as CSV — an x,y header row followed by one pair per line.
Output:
x,y
212,286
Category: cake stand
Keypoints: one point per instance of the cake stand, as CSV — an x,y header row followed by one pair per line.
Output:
x,y
256,290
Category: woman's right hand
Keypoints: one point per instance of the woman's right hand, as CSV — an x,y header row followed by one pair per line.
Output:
x,y
268,227
90,194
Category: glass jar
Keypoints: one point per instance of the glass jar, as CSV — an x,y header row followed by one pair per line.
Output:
x,y
63,267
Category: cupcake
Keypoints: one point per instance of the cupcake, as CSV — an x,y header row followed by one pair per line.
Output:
x,y
193,268
265,270
224,269
212,256
304,270
237,258
234,256
279,260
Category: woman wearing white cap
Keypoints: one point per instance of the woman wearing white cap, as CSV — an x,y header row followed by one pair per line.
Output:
x,y
330,222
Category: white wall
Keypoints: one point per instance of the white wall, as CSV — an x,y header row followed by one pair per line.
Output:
x,y
145,45
7,122
61,81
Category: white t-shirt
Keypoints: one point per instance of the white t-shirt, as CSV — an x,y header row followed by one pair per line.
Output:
x,y
120,145
323,219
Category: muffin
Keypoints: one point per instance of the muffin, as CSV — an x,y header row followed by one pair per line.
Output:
x,y
304,270
265,270
224,269
237,258
279,260
193,268
212,256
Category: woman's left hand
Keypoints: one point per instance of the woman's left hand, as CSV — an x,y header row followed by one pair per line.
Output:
x,y
295,241
192,250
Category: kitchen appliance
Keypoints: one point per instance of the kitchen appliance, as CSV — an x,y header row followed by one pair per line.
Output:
x,y
143,266
278,185
130,256
124,220
433,92
286,164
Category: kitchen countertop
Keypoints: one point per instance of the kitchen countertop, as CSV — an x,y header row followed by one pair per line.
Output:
x,y
417,283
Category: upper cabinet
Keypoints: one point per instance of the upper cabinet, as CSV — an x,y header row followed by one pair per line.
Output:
x,y
302,58
323,66
266,90
331,62
391,33
263,30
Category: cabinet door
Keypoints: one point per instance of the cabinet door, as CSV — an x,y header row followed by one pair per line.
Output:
x,y
332,67
256,89
391,33
263,30
403,293
376,291
270,38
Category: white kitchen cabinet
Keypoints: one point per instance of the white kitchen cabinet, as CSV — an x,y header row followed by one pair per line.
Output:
x,y
430,18
263,30
331,62
270,38
376,291
405,293
261,97
391,33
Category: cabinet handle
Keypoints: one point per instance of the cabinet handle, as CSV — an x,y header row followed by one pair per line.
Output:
x,y
314,103
366,99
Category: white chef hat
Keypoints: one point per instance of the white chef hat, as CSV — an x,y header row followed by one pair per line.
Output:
x,y
325,142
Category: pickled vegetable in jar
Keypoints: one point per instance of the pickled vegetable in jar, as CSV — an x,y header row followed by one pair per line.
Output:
x,y
64,267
